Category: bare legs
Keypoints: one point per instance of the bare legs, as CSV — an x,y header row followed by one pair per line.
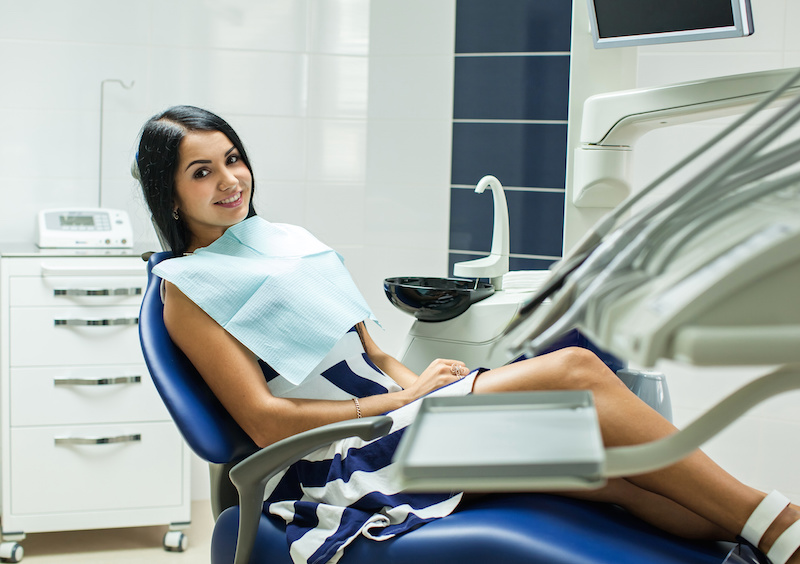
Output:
x,y
693,497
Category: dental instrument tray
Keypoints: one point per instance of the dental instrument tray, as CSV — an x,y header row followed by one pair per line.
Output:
x,y
525,441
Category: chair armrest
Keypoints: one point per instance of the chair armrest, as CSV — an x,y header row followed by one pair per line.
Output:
x,y
250,476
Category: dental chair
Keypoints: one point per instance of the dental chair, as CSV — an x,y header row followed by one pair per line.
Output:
x,y
530,528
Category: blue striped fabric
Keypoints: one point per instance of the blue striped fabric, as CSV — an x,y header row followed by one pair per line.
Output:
x,y
344,490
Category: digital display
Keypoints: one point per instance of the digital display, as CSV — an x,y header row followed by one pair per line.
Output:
x,y
76,220
617,18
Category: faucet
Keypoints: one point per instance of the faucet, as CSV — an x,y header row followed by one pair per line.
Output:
x,y
496,264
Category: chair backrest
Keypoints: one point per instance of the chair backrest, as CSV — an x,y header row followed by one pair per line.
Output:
x,y
207,427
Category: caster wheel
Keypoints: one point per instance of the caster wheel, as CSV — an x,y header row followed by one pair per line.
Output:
x,y
175,541
11,552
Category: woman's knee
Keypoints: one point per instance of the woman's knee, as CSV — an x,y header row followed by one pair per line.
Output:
x,y
581,369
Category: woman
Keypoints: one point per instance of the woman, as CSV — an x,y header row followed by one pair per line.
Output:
x,y
199,186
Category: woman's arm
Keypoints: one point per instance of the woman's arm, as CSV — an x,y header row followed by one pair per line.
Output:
x,y
232,373
396,370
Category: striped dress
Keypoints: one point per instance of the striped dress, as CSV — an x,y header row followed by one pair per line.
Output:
x,y
346,489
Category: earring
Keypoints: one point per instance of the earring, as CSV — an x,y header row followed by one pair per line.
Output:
x,y
175,215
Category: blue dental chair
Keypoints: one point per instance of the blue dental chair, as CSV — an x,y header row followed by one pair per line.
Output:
x,y
529,528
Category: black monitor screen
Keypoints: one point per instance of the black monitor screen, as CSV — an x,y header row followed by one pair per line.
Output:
x,y
619,18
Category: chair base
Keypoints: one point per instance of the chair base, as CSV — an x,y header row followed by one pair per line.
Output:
x,y
530,528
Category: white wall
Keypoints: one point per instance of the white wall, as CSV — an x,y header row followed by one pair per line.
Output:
x,y
344,105
761,448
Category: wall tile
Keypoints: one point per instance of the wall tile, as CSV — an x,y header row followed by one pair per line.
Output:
x,y
407,215
84,21
337,150
517,88
412,152
335,213
412,27
246,82
512,26
277,25
68,76
276,146
660,68
521,155
411,87
337,86
535,221
339,27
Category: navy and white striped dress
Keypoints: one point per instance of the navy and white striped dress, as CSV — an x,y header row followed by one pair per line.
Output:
x,y
346,489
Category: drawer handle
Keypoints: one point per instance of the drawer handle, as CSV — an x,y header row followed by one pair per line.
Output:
x,y
97,381
97,322
101,292
98,440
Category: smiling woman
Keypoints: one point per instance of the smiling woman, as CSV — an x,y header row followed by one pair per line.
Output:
x,y
182,151
274,324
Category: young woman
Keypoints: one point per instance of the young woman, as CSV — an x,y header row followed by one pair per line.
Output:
x,y
198,183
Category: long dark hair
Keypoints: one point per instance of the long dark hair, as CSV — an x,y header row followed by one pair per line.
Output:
x,y
157,159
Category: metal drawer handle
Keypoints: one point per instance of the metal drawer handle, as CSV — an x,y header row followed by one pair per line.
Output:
x,y
98,440
101,292
97,322
97,381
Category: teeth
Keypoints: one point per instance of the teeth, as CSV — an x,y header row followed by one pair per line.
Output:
x,y
230,200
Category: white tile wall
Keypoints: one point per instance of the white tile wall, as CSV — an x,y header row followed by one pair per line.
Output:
x,y
761,448
344,106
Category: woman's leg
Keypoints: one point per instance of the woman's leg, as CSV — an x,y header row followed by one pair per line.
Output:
x,y
696,483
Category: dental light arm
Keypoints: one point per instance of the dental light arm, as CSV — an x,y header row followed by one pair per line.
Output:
x,y
613,122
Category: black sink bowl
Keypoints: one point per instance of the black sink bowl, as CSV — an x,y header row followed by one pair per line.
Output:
x,y
435,299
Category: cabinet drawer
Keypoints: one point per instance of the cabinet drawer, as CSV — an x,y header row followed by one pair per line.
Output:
x,y
57,336
76,290
139,465
83,395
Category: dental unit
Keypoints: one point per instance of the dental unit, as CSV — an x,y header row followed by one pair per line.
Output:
x,y
706,275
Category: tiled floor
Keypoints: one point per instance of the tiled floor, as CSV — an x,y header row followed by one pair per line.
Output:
x,y
122,546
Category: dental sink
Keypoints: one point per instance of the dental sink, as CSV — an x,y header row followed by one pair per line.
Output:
x,y
435,299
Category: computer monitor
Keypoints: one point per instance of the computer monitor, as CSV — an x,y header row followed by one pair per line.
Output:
x,y
625,23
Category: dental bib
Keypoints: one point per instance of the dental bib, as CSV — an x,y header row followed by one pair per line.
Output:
x,y
274,287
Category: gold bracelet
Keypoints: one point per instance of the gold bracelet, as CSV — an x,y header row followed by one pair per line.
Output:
x,y
358,408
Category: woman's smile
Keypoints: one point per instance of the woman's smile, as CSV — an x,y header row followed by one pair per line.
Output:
x,y
232,202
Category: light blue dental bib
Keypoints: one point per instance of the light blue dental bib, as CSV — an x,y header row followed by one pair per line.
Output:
x,y
275,288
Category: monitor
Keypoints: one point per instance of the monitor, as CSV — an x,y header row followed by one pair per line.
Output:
x,y
626,23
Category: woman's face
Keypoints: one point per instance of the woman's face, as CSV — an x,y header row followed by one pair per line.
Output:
x,y
212,185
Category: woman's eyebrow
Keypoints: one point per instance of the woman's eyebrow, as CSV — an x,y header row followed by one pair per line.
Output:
x,y
206,161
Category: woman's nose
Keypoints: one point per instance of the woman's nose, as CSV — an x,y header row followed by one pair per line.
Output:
x,y
227,180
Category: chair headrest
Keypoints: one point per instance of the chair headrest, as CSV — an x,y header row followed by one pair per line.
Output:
x,y
207,427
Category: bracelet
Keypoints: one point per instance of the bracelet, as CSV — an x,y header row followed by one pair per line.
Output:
x,y
358,408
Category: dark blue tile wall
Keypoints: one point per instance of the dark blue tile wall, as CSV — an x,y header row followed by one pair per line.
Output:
x,y
518,88
510,120
528,155
535,220
512,26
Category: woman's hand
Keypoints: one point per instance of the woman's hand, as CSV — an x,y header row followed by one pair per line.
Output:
x,y
439,373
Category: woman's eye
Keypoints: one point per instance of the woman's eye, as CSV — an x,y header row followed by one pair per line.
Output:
x,y
201,173
233,159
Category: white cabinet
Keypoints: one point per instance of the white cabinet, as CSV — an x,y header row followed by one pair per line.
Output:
x,y
85,441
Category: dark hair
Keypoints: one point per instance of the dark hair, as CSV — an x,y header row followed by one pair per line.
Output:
x,y
157,160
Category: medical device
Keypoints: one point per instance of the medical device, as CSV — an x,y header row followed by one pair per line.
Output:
x,y
90,228
628,23
707,275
